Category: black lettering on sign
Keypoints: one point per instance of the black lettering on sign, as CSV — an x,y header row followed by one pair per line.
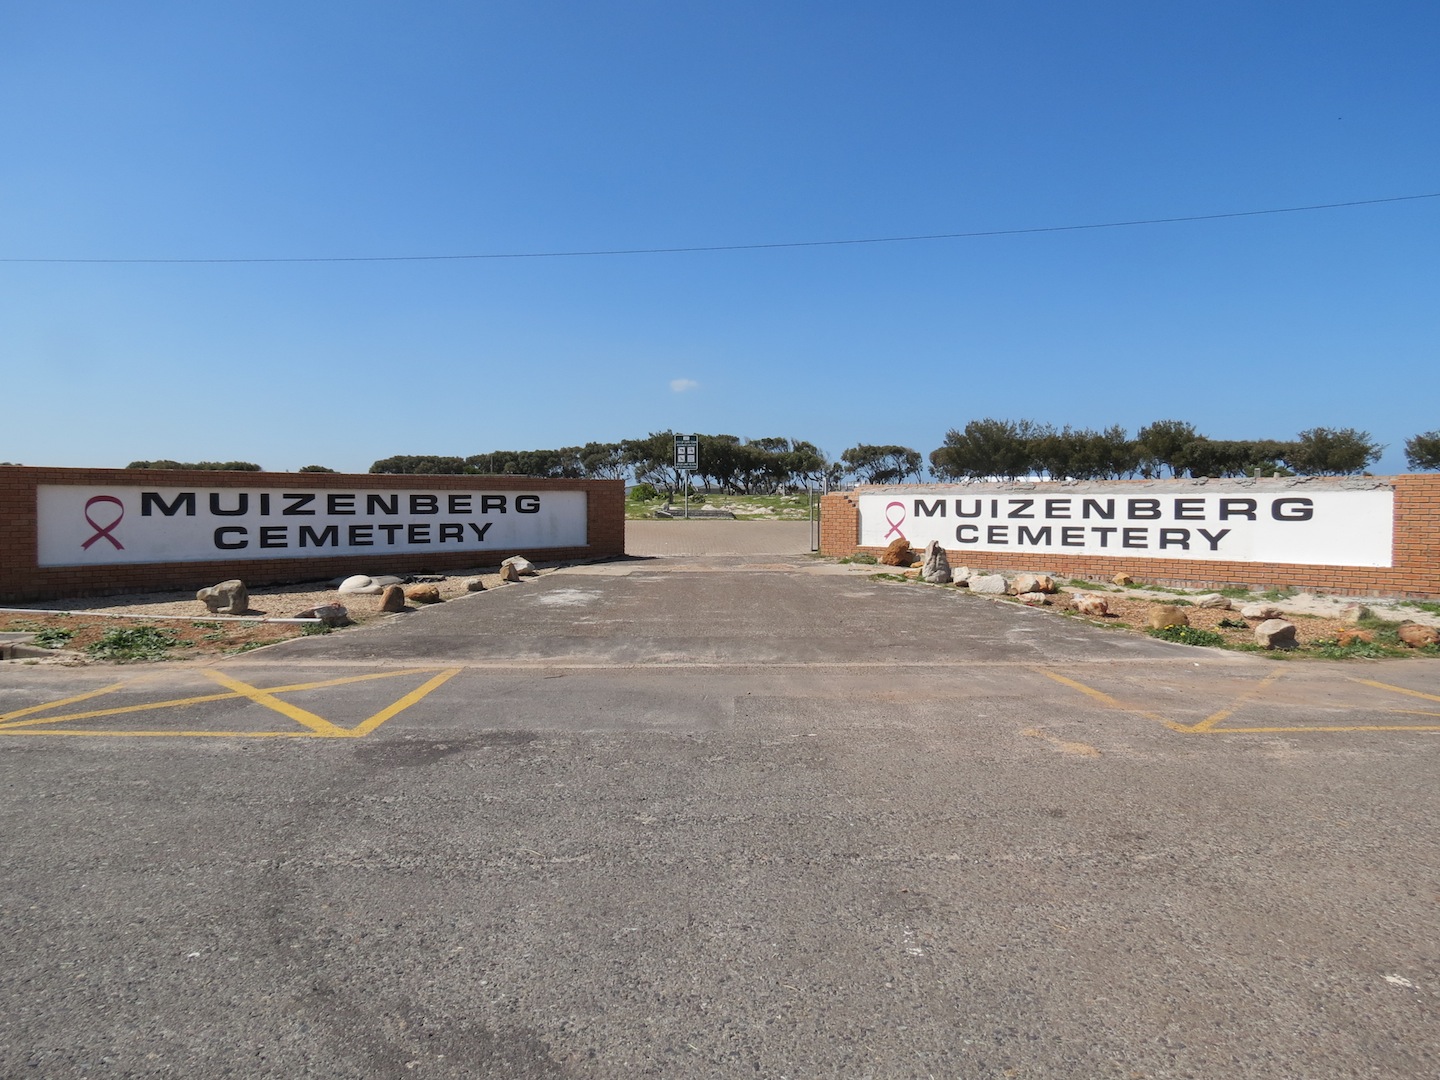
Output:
x,y
1072,536
1175,538
273,536
492,502
1303,509
1214,538
1036,538
452,530
1057,508
1244,508
1135,538
230,545
480,530
1104,531
459,504
326,537
360,536
924,509
997,534
527,504
418,533
960,508
340,504
151,499
1143,510
424,504
967,534
297,500
374,502
1017,505
390,530
1189,510
242,505
1105,510
264,504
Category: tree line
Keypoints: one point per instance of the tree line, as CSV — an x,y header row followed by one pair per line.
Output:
x,y
1006,449
981,450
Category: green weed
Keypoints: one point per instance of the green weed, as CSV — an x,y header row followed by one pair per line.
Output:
x,y
134,643
53,637
1188,635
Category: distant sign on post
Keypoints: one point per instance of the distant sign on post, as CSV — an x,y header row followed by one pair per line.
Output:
x,y
687,452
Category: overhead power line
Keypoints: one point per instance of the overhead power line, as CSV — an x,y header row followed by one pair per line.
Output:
x,y
753,247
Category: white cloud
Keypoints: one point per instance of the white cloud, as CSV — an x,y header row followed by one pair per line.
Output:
x,y
681,385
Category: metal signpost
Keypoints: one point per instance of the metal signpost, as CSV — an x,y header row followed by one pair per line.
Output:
x,y
687,460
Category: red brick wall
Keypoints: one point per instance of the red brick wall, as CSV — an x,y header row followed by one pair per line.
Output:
x,y
1415,573
22,579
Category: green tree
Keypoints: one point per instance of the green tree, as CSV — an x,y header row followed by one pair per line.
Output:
x,y
1162,444
420,465
1324,451
1423,451
994,449
315,468
883,464
204,466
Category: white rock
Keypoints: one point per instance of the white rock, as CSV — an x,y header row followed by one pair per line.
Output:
x,y
1211,600
362,585
1028,583
1275,634
1260,611
989,584
1091,605
521,564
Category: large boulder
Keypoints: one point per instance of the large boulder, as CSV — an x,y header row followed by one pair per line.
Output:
x,y
1351,637
1091,605
425,593
1416,635
1275,634
961,576
989,584
1162,615
1036,599
508,574
936,567
523,566
227,598
898,553
392,599
474,584
1122,578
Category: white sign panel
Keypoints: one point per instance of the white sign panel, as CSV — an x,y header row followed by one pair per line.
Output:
x,y
83,526
1327,528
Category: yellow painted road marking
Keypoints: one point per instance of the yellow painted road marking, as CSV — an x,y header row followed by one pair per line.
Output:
x,y
1114,703
317,724
1395,689
5,718
1224,714
314,726
1209,726
366,726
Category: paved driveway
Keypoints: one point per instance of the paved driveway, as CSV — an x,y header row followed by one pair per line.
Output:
x,y
722,816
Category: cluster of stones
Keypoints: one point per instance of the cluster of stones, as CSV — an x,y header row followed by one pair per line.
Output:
x,y
1271,630
232,598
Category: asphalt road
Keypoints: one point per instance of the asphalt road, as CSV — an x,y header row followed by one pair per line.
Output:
x,y
743,816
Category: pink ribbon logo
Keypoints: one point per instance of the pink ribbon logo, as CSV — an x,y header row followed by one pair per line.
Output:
x,y
895,523
104,531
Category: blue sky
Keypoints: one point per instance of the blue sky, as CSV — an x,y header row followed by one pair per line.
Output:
x,y
355,129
